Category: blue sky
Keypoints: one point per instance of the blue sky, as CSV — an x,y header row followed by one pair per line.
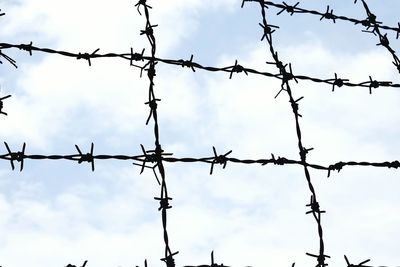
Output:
x,y
55,213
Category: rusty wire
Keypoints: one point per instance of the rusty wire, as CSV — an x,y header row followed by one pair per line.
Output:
x,y
155,158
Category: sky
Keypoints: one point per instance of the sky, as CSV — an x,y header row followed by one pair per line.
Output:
x,y
55,213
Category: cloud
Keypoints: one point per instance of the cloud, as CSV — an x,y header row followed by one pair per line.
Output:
x,y
111,218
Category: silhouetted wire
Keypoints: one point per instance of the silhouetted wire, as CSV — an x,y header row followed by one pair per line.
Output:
x,y
236,68
372,22
327,14
158,152
148,159
288,76
369,22
154,159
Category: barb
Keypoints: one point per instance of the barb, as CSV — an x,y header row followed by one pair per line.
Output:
x,y
71,265
219,159
237,68
86,56
375,84
88,157
1,104
361,264
213,264
15,156
188,63
267,29
154,157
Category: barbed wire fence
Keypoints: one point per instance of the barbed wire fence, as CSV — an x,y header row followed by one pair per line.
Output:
x,y
154,158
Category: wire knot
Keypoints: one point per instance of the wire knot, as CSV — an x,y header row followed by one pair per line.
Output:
x,y
87,157
320,259
169,260
237,68
16,156
27,47
188,63
394,164
286,76
219,159
314,206
375,84
141,3
328,15
278,161
338,82
136,56
384,41
267,29
164,203
155,156
87,56
336,167
289,9
148,31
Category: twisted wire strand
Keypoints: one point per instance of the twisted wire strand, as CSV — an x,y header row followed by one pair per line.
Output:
x,y
328,14
148,159
285,86
236,68
158,151
383,39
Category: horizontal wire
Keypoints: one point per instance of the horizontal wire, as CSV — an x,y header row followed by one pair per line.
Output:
x,y
334,82
150,157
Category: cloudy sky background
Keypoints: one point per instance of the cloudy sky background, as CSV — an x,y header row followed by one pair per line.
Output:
x,y
55,213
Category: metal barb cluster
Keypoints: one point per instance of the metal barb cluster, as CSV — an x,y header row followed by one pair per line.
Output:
x,y
155,158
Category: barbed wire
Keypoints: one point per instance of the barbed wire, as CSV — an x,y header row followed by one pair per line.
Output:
x,y
328,14
236,68
158,152
383,39
285,86
155,158
148,159
369,22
